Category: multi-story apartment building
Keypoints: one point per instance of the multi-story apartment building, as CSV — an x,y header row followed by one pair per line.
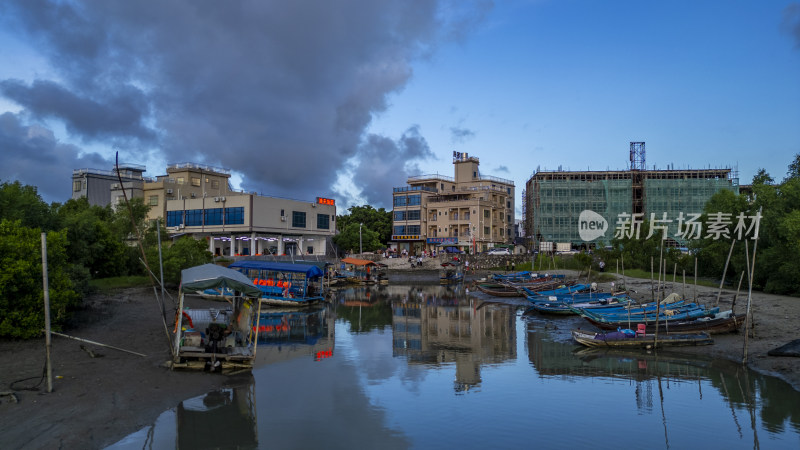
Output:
x,y
471,211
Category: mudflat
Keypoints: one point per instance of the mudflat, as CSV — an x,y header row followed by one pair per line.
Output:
x,y
101,395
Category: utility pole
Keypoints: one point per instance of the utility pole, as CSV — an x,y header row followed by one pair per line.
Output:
x,y
360,250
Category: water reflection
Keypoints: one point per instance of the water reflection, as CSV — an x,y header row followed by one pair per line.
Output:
x,y
285,334
434,366
224,418
767,400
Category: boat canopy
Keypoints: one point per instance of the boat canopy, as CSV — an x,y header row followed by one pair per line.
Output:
x,y
359,262
212,276
274,266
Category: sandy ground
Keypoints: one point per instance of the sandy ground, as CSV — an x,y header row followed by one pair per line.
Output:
x,y
98,400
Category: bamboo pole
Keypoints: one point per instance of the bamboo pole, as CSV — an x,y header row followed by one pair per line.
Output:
x,y
683,292
97,343
652,288
48,343
724,271
749,318
674,274
695,278
658,297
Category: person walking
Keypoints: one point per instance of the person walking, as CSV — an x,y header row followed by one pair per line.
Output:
x,y
508,265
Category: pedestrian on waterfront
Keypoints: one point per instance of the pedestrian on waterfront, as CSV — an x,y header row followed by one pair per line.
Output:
x,y
512,266
466,266
508,265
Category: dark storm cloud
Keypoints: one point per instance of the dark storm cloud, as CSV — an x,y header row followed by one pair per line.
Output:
x,y
459,135
120,117
279,91
385,163
31,155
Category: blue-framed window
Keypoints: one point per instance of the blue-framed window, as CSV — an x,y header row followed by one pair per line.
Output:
x,y
214,216
400,200
323,221
413,215
194,217
412,229
174,218
399,215
414,199
400,229
298,219
234,216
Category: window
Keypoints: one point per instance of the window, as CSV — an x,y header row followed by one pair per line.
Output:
x,y
400,229
283,214
323,222
399,215
181,180
153,200
485,213
413,215
412,229
196,181
414,199
194,217
298,219
214,216
400,200
77,185
485,231
234,216
508,190
174,218
214,184
310,250
508,219
508,204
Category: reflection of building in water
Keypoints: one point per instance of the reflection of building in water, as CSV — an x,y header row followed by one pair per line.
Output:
x,y
224,418
426,332
288,334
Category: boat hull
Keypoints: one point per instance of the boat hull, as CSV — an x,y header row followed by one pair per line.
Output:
x,y
647,341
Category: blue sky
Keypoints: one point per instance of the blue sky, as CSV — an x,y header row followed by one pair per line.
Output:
x,y
346,99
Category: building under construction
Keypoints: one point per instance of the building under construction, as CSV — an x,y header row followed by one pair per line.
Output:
x,y
554,200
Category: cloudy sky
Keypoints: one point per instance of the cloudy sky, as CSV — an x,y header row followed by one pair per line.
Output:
x,y
346,98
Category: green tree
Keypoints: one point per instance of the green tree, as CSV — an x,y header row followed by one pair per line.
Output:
x,y
92,242
21,288
23,203
185,252
379,221
348,240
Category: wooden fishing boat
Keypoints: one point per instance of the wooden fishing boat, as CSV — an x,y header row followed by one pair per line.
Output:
x,y
722,322
619,339
498,290
567,309
284,284
216,338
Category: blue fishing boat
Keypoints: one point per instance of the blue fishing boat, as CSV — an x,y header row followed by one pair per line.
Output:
x,y
284,284
565,309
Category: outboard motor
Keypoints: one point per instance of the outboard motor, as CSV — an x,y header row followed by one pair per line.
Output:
x,y
215,333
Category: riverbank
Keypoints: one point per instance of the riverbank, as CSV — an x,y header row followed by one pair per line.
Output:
x,y
98,400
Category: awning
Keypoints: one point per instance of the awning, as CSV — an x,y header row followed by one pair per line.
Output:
x,y
274,266
212,276
359,262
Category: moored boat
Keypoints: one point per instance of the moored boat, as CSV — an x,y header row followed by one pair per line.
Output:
x,y
216,338
284,284
620,339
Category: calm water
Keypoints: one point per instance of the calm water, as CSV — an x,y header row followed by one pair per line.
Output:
x,y
436,367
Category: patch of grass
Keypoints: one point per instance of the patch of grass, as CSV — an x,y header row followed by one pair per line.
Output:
x,y
113,283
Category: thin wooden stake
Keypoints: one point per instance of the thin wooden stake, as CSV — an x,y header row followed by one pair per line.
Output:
x,y
695,278
724,271
48,344
97,343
